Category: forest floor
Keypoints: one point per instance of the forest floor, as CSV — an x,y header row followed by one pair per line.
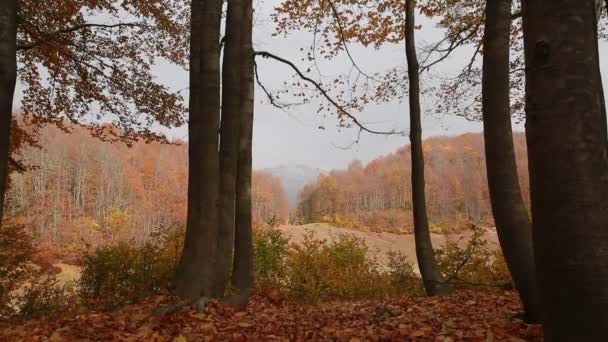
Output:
x,y
463,316
379,242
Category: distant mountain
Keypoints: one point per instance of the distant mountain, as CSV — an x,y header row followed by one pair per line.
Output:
x,y
294,177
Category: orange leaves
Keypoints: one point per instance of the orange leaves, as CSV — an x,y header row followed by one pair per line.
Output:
x,y
490,318
84,59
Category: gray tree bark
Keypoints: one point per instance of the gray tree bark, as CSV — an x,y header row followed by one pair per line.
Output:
x,y
8,78
229,143
568,161
242,274
195,275
431,276
510,215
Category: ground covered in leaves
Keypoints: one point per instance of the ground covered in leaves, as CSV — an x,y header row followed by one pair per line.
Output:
x,y
466,315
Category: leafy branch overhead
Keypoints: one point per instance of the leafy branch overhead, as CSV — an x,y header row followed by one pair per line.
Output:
x,y
76,67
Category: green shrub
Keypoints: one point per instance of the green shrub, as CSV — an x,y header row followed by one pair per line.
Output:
x,y
403,278
270,249
46,296
345,268
122,274
473,263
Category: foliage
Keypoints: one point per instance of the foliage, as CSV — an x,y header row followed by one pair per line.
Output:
x,y
71,64
28,286
344,268
16,269
45,296
473,262
270,251
88,191
121,274
377,196
464,316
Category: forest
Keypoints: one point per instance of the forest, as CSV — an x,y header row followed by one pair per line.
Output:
x,y
83,189
378,195
114,229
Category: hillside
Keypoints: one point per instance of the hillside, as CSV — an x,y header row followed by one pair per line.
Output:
x,y
378,195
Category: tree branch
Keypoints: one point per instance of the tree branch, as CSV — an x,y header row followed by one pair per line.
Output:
x,y
336,15
340,108
17,165
51,36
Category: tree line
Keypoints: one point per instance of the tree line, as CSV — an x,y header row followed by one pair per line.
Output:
x,y
378,195
83,190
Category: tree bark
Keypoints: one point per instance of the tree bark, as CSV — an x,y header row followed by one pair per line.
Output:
x,y
568,161
431,276
195,272
242,274
229,142
510,215
8,78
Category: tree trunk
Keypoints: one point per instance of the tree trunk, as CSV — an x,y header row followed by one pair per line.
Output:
x,y
510,215
242,273
195,272
431,276
568,161
8,78
229,142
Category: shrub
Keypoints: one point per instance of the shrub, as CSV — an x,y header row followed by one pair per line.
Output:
x,y
473,263
16,269
28,286
403,278
121,274
270,250
344,268
45,297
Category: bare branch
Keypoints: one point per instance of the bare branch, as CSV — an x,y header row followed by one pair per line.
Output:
x,y
17,165
340,108
269,95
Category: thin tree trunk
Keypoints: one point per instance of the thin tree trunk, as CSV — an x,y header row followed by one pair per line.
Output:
x,y
8,78
195,272
242,274
568,161
510,215
229,143
431,276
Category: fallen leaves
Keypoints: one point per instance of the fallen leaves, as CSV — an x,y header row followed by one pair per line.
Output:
x,y
467,315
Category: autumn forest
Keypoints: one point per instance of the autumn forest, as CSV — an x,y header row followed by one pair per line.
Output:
x,y
472,206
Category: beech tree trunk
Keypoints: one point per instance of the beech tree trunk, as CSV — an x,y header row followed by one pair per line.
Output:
x,y
195,272
568,161
510,215
242,273
8,78
431,276
229,142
